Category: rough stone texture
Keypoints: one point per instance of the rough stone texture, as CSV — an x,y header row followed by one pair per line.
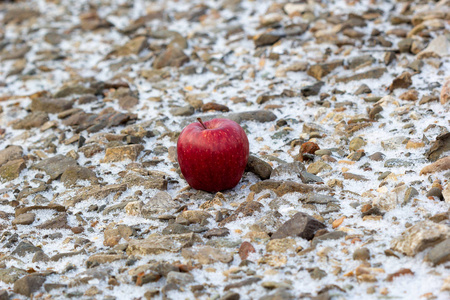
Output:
x,y
35,119
161,244
10,153
419,237
121,153
171,57
24,219
258,167
207,255
29,284
11,170
55,165
440,253
72,174
95,192
442,164
301,225
442,144
52,106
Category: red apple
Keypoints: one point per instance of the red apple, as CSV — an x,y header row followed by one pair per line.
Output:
x,y
213,155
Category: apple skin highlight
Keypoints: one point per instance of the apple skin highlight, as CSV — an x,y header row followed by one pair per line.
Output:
x,y
213,159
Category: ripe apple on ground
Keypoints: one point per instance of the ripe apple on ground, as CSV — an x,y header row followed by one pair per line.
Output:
x,y
213,155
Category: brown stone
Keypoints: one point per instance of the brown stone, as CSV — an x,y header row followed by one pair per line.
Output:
x,y
214,106
411,95
245,249
401,82
309,147
172,57
445,92
122,153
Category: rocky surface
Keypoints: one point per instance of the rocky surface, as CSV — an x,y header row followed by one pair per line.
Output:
x,y
345,103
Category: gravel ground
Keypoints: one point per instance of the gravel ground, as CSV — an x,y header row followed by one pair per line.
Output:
x,y
346,105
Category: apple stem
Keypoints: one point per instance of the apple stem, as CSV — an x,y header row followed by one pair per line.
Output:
x,y
201,122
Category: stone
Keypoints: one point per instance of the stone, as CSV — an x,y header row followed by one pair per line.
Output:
x,y
193,217
4,295
239,284
422,235
281,245
24,247
319,71
442,164
361,254
359,61
283,187
179,278
441,145
356,144
309,147
404,45
207,255
312,90
439,47
391,198
301,225
11,170
183,111
55,166
261,116
11,275
401,82
288,171
334,235
230,296
411,95
99,259
371,74
317,273
363,89
160,203
128,102
155,180
318,167
352,176
132,47
40,257
35,119
401,272
440,253
74,173
28,284
161,244
24,219
173,56
10,153
446,193
59,222
92,192
245,249
435,192
216,232
49,105
266,39
90,150
258,167
246,209
445,92
121,153
214,106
